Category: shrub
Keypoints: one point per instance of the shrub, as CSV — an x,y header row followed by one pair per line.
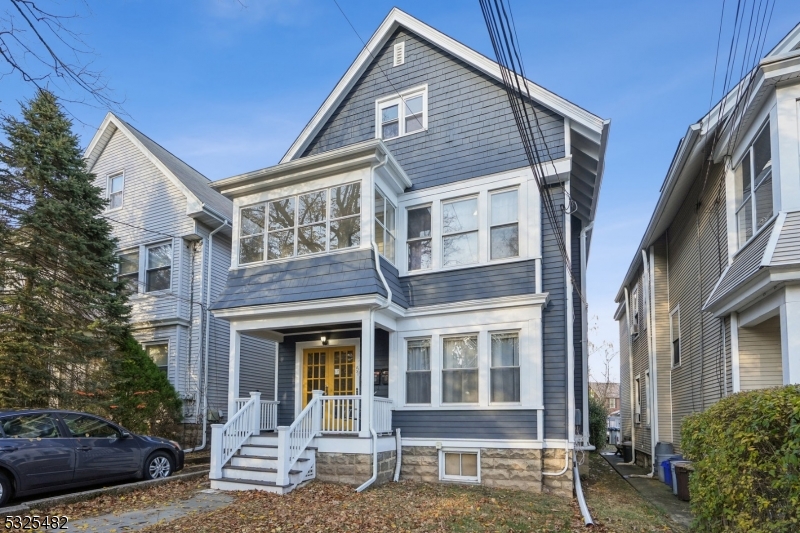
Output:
x,y
746,453
598,422
141,398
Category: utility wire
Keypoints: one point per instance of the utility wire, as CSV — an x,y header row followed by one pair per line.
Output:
x,y
139,227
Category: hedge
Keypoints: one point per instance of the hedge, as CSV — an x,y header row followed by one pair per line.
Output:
x,y
746,454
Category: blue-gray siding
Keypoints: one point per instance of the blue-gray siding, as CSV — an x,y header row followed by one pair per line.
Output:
x,y
467,424
471,129
256,367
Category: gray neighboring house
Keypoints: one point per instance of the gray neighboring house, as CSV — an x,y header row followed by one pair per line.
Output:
x,y
607,392
400,257
710,304
174,239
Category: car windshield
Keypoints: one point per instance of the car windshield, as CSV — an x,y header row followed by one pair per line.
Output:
x,y
89,426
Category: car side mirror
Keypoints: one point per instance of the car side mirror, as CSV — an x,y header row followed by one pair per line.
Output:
x,y
124,435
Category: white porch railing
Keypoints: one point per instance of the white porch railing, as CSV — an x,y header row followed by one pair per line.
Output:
x,y
269,413
341,414
382,415
226,440
293,440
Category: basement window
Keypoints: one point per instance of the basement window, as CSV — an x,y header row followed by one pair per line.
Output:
x,y
459,465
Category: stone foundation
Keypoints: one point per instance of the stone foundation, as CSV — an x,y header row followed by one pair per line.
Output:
x,y
553,461
354,468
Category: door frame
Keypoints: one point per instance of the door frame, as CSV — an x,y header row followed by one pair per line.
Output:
x,y
298,365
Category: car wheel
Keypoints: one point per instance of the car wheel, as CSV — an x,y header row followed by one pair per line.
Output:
x,y
5,489
158,465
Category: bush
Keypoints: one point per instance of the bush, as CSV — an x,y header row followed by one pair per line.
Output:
x,y
598,422
141,398
746,453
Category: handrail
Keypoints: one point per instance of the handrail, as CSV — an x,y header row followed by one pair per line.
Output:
x,y
293,440
227,439
269,413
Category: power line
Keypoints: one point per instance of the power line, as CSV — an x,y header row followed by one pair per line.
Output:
x,y
139,227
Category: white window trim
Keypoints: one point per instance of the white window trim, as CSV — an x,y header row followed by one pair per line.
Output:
x,y
406,371
635,318
490,226
676,311
123,251
637,399
387,200
399,100
109,177
519,364
477,230
649,397
461,479
442,370
739,203
143,256
159,342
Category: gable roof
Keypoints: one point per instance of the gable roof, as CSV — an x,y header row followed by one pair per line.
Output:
x,y
195,186
586,123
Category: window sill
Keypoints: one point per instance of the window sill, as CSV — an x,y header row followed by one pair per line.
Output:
x,y
471,481
423,130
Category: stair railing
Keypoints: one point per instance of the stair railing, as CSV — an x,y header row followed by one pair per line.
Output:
x,y
293,440
227,439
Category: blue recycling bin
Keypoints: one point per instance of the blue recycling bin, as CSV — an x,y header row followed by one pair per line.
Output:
x,y
667,472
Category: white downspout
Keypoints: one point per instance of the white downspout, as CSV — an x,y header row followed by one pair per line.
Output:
x,y
630,378
585,334
205,341
372,310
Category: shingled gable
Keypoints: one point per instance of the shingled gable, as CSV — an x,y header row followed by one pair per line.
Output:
x,y
200,197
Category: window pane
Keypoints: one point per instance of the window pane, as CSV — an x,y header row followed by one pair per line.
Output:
x,y
460,386
419,255
418,387
311,239
676,352
252,221
413,105
452,464
251,249
419,355
743,177
744,221
504,207
380,206
460,352
389,113
89,427
469,464
764,201
379,236
159,256
129,263
505,241
158,353
762,151
505,384
413,123
346,200
345,233
36,426
115,200
280,244
390,130
281,214
312,207
389,245
390,217
116,184
419,222
505,349
460,249
460,216
159,279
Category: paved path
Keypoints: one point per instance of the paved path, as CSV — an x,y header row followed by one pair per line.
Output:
x,y
203,501
654,491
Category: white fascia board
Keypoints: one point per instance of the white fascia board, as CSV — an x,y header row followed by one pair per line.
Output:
x,y
787,43
601,167
397,18
256,311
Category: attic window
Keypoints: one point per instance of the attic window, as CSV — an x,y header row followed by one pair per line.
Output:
x,y
399,53
402,113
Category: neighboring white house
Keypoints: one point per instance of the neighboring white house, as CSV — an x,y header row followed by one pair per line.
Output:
x,y
174,242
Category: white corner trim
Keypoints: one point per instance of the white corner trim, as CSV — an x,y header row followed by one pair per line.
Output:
x,y
773,239
735,369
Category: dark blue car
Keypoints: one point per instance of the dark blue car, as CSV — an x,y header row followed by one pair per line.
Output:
x,y
47,450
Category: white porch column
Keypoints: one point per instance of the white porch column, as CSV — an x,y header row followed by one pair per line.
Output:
x,y
233,371
790,335
367,373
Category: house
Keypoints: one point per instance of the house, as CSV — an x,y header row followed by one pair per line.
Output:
x,y
174,241
710,304
607,393
399,256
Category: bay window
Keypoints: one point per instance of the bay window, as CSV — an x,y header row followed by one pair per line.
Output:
x,y
460,369
158,275
460,232
504,225
753,178
384,225
345,216
251,235
419,238
418,371
505,367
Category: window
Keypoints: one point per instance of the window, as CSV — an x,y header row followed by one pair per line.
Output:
x,y
649,397
637,395
753,179
505,367
675,335
418,371
611,403
460,232
128,270
159,353
504,226
419,238
459,465
305,224
635,311
384,225
159,267
89,427
115,187
402,115
34,426
460,369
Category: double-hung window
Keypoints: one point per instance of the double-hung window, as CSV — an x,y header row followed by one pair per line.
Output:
x,y
129,270
345,216
251,234
419,238
460,232
159,268
460,369
281,226
504,227
116,190
505,367
647,391
753,178
402,114
312,228
675,335
159,353
384,225
418,371
635,311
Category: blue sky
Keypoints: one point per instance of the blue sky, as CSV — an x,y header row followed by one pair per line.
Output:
x,y
228,87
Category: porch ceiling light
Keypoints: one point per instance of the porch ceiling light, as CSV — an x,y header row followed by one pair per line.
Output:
x,y
324,340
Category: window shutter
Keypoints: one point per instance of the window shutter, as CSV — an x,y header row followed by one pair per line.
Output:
x,y
399,53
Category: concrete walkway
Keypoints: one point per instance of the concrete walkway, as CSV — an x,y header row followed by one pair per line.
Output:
x,y
653,491
204,501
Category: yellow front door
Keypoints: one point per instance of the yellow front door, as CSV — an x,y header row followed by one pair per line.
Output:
x,y
331,369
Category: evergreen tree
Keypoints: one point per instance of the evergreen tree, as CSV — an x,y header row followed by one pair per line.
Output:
x,y
62,313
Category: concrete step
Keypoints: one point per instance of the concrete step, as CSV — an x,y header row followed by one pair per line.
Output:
x,y
260,461
267,450
258,474
250,484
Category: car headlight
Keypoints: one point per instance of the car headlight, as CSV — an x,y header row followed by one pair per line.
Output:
x,y
175,444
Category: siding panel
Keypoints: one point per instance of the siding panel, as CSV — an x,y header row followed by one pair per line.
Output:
x,y
468,424
256,367
760,361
